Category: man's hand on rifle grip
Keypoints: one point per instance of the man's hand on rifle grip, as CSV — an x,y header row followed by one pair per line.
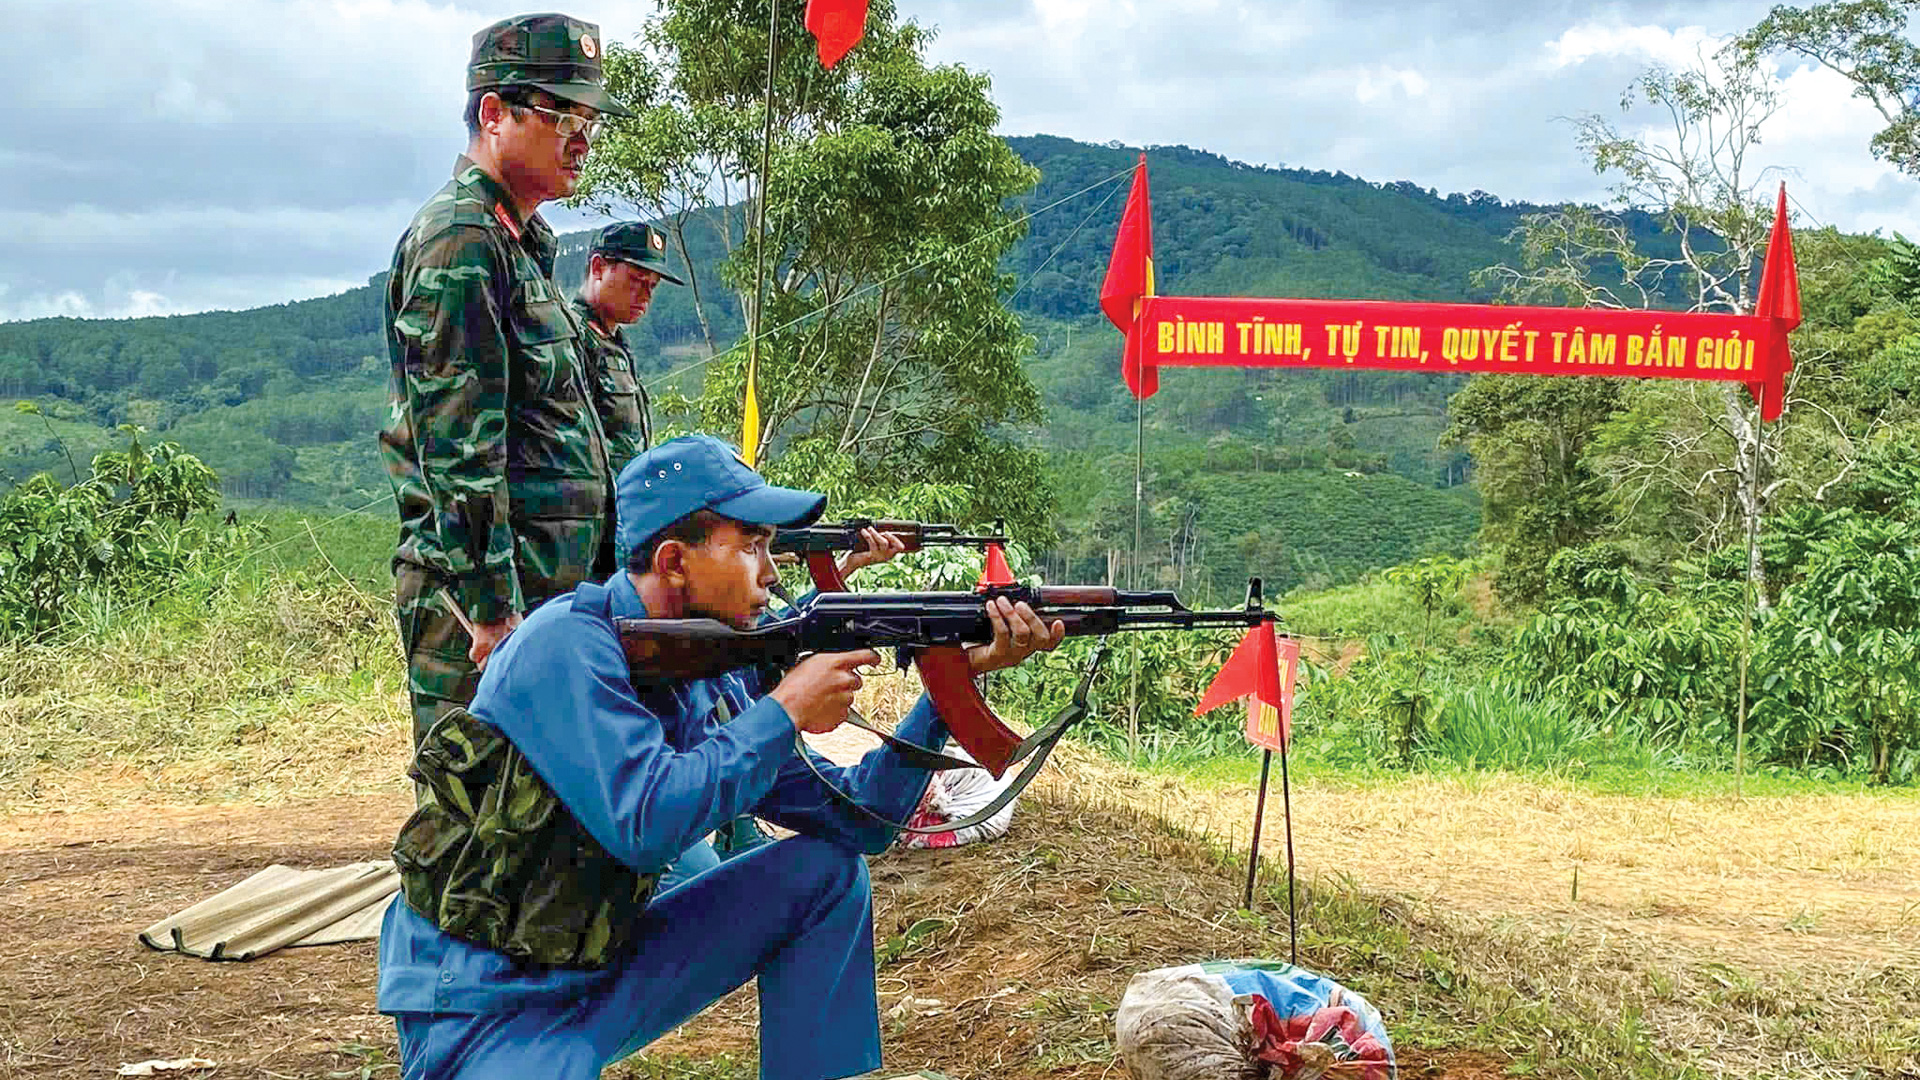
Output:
x,y
1017,634
881,547
819,690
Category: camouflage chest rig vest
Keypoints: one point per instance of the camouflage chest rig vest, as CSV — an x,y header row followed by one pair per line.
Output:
x,y
494,858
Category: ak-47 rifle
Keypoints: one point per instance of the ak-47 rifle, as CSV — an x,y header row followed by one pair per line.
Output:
x,y
818,544
933,628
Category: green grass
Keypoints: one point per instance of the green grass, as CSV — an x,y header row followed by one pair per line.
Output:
x,y
358,544
1657,779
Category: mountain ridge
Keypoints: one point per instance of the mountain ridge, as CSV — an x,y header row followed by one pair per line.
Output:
x,y
282,399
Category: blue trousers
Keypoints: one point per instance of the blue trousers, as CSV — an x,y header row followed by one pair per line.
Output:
x,y
797,913
693,862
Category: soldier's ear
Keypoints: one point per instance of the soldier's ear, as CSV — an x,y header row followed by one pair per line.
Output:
x,y
492,111
670,562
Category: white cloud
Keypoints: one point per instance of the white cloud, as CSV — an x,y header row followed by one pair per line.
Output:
x,y
1675,47
293,227
127,295
1389,83
207,153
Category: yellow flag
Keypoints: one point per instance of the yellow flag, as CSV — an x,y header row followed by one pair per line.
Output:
x,y
750,420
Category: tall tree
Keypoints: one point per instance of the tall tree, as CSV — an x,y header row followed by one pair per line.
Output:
x,y
886,340
1695,445
1530,437
1866,42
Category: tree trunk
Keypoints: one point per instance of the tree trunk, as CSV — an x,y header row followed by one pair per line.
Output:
x,y
1749,435
693,283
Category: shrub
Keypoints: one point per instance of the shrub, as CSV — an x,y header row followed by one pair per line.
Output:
x,y
135,525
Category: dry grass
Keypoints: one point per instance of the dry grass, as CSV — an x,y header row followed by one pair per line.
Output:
x,y
1002,957
1768,937
1808,880
287,692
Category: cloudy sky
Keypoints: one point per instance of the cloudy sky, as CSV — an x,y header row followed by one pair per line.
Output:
x,y
230,153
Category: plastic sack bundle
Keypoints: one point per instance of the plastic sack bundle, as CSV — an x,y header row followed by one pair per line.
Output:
x,y
1249,1020
955,796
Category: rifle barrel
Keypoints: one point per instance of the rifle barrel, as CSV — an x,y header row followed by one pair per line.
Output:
x,y
845,536
836,622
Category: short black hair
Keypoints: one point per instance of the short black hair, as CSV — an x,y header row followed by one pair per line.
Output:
x,y
692,529
518,95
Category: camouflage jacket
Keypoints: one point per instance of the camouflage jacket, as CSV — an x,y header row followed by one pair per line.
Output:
x,y
492,442
617,393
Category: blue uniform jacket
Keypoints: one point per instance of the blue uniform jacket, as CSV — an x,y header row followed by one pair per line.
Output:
x,y
647,776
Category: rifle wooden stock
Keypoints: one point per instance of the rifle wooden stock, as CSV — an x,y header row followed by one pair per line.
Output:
x,y
672,650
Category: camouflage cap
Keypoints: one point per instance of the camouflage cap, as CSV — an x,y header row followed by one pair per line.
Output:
x,y
557,53
638,243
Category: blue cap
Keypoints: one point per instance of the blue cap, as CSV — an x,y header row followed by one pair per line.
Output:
x,y
699,472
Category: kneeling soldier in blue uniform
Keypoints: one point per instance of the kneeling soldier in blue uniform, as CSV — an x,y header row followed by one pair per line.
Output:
x,y
530,941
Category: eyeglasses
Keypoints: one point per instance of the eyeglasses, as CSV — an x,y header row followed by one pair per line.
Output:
x,y
571,124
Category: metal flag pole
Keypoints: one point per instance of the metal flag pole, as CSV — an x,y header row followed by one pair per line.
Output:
x,y
1286,811
1139,493
1259,815
751,445
1748,594
1253,857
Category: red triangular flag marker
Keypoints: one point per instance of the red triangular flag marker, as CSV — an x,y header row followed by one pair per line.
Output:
x,y
1253,673
1254,668
996,572
1779,300
837,25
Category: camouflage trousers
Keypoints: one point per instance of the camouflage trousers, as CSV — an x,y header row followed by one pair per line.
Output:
x,y
439,675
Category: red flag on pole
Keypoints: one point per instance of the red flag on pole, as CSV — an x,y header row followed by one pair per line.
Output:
x,y
1779,300
1253,673
1130,279
1779,276
837,25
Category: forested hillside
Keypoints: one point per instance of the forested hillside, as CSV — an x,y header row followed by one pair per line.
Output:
x,y
283,400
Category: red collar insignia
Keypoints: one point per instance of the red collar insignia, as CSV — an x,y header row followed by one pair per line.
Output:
x,y
506,218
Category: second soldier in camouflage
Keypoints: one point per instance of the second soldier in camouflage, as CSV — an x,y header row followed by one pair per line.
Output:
x,y
627,260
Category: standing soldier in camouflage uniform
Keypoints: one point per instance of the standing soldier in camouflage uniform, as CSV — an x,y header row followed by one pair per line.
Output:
x,y
496,454
627,260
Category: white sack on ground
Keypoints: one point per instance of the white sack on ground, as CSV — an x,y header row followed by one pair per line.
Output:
x,y
1249,1020
958,794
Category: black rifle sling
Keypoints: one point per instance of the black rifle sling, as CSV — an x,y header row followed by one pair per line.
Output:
x,y
920,757
1035,748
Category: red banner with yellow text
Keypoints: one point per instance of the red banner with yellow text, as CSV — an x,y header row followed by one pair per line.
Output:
x,y
1211,331
1204,331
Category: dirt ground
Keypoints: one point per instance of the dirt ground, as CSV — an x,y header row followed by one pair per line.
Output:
x,y
1019,949
1020,955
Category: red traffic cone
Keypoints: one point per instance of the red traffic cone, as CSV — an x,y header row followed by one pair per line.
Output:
x,y
996,572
